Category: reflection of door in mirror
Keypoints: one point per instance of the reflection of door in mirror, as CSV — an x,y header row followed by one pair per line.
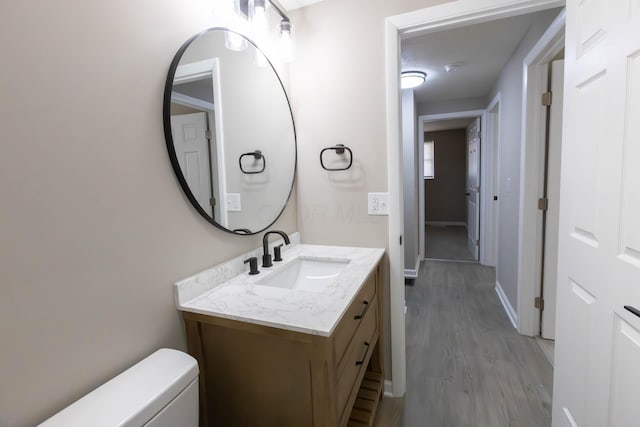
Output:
x,y
192,149
194,115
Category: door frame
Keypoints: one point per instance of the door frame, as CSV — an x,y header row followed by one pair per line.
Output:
x,y
535,74
209,68
489,179
432,19
468,114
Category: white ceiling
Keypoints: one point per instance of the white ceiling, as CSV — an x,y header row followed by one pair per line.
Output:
x,y
296,4
482,50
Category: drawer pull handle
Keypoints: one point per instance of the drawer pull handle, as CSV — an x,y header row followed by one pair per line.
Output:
x,y
361,315
364,356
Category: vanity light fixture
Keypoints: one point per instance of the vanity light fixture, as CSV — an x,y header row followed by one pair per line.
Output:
x,y
411,79
256,12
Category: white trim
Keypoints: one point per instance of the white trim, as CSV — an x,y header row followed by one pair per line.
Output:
x,y
446,223
194,71
534,70
508,308
190,101
396,214
489,171
421,202
462,13
448,116
220,142
388,389
421,212
436,18
412,274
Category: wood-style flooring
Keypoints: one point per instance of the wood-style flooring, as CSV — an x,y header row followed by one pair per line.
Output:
x,y
448,242
466,364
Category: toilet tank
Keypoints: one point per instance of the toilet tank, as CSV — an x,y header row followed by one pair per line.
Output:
x,y
159,391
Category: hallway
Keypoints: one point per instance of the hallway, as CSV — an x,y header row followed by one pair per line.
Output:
x,y
448,243
466,364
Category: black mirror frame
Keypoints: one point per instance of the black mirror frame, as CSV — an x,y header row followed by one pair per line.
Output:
x,y
168,136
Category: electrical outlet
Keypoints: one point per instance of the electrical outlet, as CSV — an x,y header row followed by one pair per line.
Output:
x,y
378,203
234,203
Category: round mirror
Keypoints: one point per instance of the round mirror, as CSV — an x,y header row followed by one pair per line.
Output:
x,y
229,131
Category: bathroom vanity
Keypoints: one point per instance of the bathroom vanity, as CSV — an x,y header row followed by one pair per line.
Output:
x,y
296,345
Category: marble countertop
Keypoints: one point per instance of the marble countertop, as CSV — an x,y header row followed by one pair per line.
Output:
x,y
242,298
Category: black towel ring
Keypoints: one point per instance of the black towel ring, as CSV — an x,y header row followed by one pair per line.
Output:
x,y
257,155
339,149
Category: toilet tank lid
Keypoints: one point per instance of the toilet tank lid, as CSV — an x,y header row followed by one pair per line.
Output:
x,y
133,397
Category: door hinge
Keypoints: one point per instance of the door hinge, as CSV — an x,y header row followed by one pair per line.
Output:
x,y
539,303
208,134
547,99
543,204
212,201
477,242
478,188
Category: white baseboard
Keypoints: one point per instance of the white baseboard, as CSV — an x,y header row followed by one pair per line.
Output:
x,y
388,388
511,313
412,274
446,223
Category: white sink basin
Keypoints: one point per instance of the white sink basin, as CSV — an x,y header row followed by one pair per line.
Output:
x,y
306,274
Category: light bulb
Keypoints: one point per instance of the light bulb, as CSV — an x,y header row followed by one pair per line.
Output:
x,y
286,42
234,41
258,13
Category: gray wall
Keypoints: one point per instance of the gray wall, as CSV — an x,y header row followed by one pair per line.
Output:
x,y
509,84
444,195
94,226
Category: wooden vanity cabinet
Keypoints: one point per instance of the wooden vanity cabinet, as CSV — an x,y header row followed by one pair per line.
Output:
x,y
253,375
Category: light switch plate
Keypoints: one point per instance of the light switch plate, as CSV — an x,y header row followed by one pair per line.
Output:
x,y
234,203
378,204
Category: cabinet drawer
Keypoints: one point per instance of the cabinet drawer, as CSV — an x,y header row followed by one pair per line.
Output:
x,y
357,356
354,316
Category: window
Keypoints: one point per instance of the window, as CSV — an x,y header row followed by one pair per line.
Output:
x,y
429,168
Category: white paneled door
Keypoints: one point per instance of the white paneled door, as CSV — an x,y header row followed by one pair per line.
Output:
x,y
473,187
597,359
189,133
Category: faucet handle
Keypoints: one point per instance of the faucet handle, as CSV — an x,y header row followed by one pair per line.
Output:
x,y
253,265
277,253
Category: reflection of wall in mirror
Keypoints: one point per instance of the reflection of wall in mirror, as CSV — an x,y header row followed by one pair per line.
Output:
x,y
255,116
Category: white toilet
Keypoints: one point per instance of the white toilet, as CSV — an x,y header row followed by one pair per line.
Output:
x,y
159,391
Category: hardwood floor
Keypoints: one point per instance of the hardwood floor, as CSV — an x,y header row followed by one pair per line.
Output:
x,y
466,365
449,242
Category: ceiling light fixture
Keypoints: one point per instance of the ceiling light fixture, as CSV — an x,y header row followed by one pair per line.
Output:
x,y
411,79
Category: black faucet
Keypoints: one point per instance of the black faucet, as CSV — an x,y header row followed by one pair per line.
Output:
x,y
266,256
